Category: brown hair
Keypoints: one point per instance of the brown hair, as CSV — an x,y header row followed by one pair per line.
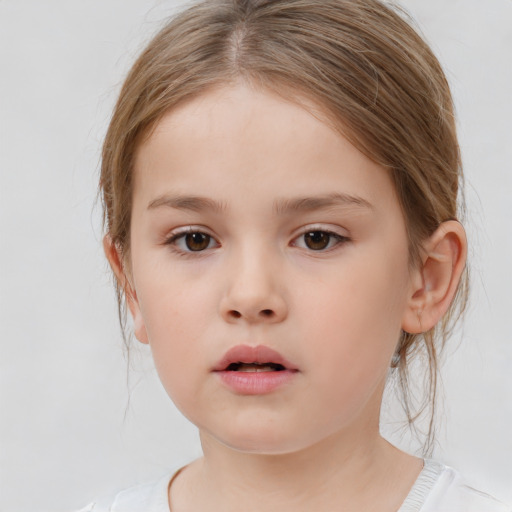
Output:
x,y
359,61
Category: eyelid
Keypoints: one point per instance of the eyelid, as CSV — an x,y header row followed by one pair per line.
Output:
x,y
332,231
178,233
326,228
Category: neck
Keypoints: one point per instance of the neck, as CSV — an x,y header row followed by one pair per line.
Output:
x,y
350,471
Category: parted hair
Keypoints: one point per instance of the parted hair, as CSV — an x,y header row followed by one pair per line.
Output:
x,y
366,68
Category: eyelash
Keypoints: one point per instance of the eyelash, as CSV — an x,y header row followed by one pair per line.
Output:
x,y
334,240
175,238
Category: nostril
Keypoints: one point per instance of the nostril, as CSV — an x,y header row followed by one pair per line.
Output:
x,y
263,314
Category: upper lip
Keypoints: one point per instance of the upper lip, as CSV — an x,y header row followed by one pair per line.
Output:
x,y
248,354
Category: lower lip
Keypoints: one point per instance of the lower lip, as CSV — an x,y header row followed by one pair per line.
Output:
x,y
256,383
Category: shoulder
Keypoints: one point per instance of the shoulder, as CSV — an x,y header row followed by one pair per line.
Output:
x,y
148,497
451,493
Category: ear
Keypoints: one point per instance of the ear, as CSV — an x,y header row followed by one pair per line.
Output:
x,y
435,281
116,263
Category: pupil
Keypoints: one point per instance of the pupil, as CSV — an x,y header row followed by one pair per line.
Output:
x,y
317,240
197,241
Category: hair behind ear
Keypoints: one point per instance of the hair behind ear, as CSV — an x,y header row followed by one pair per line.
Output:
x,y
125,291
438,297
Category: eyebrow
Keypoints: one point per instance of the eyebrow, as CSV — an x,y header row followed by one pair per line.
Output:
x,y
194,203
304,204
281,206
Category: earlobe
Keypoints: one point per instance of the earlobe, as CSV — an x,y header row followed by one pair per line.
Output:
x,y
116,263
435,281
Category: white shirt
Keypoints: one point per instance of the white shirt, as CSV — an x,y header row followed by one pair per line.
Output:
x,y
438,488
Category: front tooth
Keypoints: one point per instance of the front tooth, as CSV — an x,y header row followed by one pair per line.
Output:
x,y
254,368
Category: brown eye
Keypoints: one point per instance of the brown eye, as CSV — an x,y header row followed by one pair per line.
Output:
x,y
317,240
197,241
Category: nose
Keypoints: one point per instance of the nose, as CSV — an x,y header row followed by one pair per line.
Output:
x,y
254,292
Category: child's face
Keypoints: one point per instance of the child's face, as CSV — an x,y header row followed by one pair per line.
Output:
x,y
300,245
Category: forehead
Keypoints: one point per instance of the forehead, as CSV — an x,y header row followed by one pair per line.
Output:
x,y
239,111
238,139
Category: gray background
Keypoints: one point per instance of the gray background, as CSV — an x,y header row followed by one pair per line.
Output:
x,y
67,432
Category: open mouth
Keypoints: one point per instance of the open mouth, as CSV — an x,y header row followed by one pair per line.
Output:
x,y
255,367
249,359
249,370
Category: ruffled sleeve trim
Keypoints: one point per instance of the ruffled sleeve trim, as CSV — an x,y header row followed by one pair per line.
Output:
x,y
423,486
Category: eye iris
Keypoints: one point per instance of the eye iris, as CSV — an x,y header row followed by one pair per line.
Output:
x,y
197,241
317,240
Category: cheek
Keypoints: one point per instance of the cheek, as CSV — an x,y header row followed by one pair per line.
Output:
x,y
171,300
356,318
176,314
362,295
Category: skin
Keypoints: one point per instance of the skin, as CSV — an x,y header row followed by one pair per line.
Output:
x,y
336,313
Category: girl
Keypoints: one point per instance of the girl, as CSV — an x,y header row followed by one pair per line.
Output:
x,y
280,183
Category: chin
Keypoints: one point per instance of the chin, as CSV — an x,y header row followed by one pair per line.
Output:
x,y
262,441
